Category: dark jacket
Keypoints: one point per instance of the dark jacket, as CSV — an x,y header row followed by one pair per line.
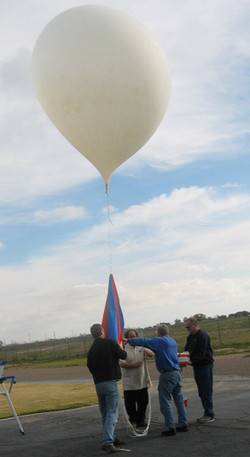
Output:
x,y
103,358
199,347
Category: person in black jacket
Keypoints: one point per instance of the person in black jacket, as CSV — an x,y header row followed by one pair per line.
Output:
x,y
102,362
201,356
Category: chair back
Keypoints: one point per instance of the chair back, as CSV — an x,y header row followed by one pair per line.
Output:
x,y
2,365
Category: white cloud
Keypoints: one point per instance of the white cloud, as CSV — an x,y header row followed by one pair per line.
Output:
x,y
179,264
68,213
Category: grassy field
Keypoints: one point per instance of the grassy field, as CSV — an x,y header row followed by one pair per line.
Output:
x,y
228,335
38,398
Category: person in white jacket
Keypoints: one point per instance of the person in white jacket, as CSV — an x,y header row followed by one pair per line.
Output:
x,y
136,380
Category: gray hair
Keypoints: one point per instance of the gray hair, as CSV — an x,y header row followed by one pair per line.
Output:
x,y
96,330
162,329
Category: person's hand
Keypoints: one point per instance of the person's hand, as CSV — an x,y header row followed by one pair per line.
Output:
x,y
137,364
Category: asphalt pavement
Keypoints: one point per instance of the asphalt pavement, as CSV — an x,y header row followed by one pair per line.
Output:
x,y
78,433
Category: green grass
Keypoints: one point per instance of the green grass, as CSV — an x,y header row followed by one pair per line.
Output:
x,y
38,398
231,335
49,364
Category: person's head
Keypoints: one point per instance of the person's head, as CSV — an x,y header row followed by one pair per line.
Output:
x,y
97,330
192,325
162,330
130,333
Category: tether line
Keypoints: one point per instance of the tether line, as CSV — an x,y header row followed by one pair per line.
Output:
x,y
109,231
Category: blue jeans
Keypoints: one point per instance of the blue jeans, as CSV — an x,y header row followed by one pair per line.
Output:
x,y
170,385
108,397
203,376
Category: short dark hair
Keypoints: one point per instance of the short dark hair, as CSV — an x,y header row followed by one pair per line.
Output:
x,y
162,329
96,330
130,330
192,320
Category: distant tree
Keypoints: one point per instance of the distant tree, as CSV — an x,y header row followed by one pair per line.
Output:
x,y
200,317
177,321
241,314
1,343
148,329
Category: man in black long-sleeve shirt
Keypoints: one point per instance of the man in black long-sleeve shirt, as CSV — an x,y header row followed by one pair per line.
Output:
x,y
102,362
201,356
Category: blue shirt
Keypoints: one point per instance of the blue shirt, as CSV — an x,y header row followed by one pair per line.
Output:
x,y
165,349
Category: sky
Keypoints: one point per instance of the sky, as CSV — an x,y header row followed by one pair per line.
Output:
x,y
177,239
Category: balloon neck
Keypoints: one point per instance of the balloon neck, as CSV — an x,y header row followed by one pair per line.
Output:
x,y
106,187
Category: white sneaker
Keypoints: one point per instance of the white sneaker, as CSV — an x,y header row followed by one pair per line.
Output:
x,y
205,419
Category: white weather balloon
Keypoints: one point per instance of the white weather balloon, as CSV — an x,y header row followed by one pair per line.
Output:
x,y
103,80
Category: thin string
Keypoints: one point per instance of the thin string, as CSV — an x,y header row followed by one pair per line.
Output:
x,y
109,231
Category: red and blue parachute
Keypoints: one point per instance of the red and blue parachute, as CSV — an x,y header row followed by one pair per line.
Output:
x,y
113,321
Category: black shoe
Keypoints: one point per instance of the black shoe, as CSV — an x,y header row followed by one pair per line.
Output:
x,y
171,432
182,429
110,448
118,442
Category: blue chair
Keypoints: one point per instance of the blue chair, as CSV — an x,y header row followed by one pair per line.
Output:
x,y
6,392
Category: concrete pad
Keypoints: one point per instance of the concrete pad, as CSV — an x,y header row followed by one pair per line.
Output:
x,y
77,433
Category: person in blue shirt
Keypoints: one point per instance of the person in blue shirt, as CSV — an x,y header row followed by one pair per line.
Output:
x,y
166,361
